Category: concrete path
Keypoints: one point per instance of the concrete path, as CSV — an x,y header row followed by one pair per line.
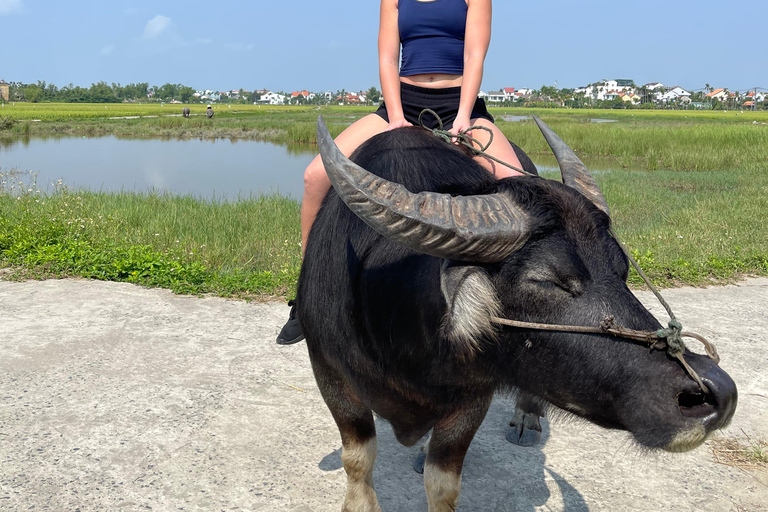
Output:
x,y
114,397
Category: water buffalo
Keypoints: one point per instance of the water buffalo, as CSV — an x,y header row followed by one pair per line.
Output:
x,y
185,112
209,112
413,253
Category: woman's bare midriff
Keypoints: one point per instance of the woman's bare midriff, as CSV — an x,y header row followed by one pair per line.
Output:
x,y
433,80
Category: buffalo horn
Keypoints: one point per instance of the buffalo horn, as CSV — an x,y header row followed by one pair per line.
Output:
x,y
483,228
574,172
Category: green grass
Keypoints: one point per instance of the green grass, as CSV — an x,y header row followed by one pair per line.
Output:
x,y
246,248
81,111
692,227
683,227
648,139
251,122
688,192
679,146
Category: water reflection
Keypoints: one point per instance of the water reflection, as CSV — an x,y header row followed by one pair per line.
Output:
x,y
515,119
221,168
7,143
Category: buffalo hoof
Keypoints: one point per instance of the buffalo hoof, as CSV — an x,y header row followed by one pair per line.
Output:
x,y
418,463
524,429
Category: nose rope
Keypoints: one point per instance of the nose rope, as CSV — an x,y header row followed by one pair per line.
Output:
x,y
660,339
670,338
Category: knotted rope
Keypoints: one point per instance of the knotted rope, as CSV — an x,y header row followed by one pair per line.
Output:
x,y
670,338
467,140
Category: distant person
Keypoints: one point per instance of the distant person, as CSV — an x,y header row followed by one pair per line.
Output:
x,y
443,43
209,112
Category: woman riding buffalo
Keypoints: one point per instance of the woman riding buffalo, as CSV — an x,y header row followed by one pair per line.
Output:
x,y
443,43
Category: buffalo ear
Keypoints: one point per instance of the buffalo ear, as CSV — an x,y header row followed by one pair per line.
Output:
x,y
471,302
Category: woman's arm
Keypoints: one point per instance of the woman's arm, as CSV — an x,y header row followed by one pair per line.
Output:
x,y
389,63
477,37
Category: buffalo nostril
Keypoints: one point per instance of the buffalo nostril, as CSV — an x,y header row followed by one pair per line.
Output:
x,y
715,408
696,404
723,392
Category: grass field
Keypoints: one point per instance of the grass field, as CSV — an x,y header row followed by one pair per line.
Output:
x,y
688,193
79,111
248,248
683,228
648,139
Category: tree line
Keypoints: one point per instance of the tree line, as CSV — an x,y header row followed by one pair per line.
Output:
x,y
100,92
546,96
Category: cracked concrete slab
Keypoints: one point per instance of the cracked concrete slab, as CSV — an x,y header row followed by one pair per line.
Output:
x,y
115,397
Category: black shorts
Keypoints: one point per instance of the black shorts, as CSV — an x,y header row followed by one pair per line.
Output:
x,y
445,102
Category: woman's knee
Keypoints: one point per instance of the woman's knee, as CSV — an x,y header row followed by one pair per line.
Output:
x,y
315,178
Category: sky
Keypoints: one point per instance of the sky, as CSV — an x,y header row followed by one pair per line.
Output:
x,y
331,45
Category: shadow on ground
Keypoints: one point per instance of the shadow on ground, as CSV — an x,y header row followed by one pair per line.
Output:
x,y
498,476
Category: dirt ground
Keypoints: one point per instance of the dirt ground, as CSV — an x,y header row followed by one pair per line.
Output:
x,y
115,397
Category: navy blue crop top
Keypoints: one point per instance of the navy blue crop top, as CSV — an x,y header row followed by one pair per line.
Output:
x,y
432,36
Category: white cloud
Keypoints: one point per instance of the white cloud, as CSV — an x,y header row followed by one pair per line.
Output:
x,y
107,49
156,26
161,35
10,6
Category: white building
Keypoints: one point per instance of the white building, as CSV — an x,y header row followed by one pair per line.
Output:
x,y
272,98
652,86
607,90
496,97
676,94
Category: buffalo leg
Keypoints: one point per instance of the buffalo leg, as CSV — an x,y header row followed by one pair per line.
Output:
x,y
525,427
450,441
358,437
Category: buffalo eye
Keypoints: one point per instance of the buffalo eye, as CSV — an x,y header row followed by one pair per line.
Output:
x,y
549,280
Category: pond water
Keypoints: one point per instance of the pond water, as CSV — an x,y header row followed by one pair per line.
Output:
x,y
222,169
515,119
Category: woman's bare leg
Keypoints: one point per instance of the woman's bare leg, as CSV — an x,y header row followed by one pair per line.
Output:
x,y
316,182
499,148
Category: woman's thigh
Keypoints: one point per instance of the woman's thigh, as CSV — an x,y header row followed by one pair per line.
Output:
x,y
500,148
347,141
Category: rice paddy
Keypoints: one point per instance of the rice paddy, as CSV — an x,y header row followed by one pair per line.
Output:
x,y
649,139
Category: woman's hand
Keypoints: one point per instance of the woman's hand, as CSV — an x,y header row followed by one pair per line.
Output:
x,y
460,124
397,123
